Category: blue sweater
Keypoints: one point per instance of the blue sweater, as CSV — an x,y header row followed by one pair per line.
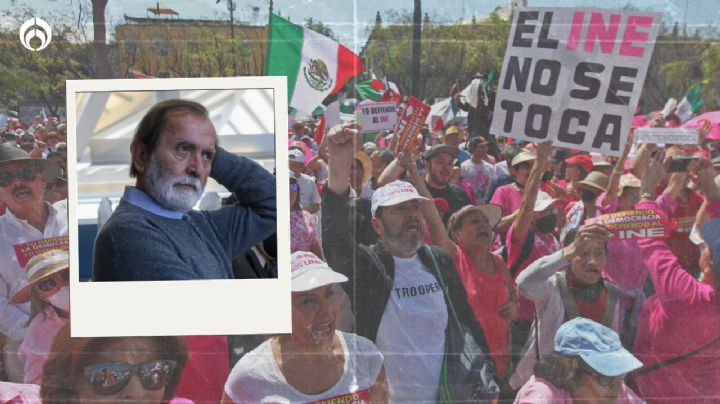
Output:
x,y
137,245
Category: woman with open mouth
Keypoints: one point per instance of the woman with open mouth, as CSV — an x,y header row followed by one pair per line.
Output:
x,y
315,362
490,290
569,284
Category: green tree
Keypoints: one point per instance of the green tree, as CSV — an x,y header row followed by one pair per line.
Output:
x,y
320,28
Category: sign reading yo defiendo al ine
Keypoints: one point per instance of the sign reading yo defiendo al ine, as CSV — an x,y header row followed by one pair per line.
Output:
x,y
574,76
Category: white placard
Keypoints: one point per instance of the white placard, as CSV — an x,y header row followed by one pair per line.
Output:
x,y
666,135
206,307
574,75
377,116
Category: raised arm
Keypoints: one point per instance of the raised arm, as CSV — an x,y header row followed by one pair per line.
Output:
x,y
524,217
613,188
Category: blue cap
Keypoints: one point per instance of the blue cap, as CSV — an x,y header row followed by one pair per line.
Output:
x,y
597,345
711,234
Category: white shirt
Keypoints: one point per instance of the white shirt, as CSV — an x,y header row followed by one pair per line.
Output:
x,y
478,176
13,232
309,194
411,335
257,378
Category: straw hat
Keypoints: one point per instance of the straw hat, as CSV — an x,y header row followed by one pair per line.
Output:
x,y
9,153
40,267
364,160
597,180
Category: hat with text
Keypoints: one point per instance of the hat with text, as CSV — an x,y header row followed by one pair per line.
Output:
x,y
394,193
597,345
308,272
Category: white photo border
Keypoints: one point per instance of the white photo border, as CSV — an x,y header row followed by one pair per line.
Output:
x,y
207,307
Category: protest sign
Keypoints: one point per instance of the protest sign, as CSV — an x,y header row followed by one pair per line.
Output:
x,y
25,251
377,116
410,123
633,224
666,135
574,76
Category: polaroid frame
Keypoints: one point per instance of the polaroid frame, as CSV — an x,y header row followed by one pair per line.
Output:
x,y
205,307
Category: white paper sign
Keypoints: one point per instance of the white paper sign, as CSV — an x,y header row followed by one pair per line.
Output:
x,y
666,135
574,75
377,116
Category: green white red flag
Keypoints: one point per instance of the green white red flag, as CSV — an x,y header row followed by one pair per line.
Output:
x,y
315,65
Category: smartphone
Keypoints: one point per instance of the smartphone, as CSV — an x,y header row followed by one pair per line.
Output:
x,y
680,164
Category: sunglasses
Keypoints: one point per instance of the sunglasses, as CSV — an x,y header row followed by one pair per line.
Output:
x,y
293,186
57,280
106,379
604,381
22,174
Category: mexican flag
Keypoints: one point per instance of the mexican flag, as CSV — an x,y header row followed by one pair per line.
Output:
x,y
315,65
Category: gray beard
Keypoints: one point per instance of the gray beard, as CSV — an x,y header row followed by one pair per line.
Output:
x,y
408,247
160,184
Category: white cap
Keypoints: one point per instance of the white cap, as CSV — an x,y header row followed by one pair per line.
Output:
x,y
308,272
543,201
296,155
394,193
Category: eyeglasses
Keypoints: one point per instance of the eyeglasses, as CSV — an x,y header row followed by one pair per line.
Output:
x,y
22,174
294,186
604,381
106,379
57,280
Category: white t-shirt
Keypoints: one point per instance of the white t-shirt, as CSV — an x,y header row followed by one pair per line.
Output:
x,y
256,377
309,194
411,335
478,176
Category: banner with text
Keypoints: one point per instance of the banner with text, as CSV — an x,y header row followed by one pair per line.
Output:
x,y
633,224
410,123
666,135
25,251
574,76
377,116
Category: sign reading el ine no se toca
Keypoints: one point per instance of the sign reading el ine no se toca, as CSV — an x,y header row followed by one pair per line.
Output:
x,y
574,76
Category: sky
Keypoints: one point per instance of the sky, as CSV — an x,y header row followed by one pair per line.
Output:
x,y
349,19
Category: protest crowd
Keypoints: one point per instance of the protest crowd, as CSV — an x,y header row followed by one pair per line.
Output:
x,y
435,264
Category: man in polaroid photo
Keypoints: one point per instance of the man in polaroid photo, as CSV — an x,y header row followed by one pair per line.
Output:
x,y
154,234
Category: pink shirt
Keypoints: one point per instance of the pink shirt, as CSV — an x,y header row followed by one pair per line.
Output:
x,y
508,197
683,315
303,231
16,393
35,347
539,390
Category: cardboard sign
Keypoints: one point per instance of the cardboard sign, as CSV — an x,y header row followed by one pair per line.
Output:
x,y
410,123
633,224
666,135
574,76
27,250
377,116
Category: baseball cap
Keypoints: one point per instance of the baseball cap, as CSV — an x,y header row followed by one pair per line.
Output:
x,y
582,160
441,148
296,155
597,345
394,193
308,272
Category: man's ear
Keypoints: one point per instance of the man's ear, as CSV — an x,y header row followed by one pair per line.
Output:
x,y
139,156
377,226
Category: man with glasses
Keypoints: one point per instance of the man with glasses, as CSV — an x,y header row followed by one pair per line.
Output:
x,y
27,219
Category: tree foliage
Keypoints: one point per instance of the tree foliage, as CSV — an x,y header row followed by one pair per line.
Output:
x,y
39,77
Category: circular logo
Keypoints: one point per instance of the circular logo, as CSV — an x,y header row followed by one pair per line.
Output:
x,y
35,28
317,75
